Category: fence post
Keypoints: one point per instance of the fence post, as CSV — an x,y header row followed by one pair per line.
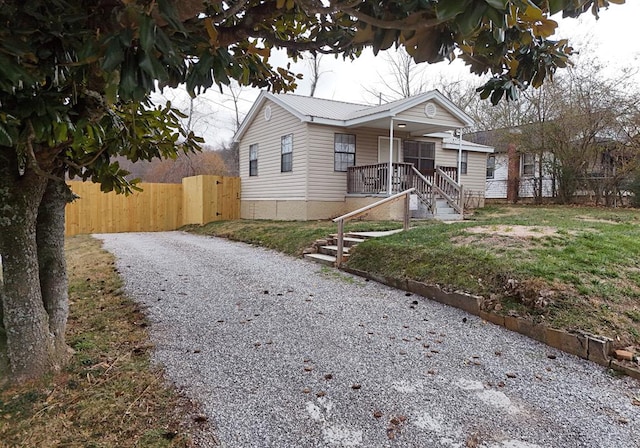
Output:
x,y
407,212
340,242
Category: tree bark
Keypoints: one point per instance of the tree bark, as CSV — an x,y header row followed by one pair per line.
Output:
x,y
54,282
4,359
29,344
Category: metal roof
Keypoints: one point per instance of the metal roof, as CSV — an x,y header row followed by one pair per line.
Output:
x,y
319,107
344,114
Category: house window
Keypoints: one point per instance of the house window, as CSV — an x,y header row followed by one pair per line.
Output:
x,y
528,164
421,154
464,162
344,155
253,160
286,153
491,166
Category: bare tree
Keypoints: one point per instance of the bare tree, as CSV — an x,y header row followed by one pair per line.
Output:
x,y
314,61
404,78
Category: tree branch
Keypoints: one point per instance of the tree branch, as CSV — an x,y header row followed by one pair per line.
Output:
x,y
33,161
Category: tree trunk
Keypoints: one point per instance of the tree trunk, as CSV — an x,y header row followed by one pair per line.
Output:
x,y
4,359
513,176
54,283
29,344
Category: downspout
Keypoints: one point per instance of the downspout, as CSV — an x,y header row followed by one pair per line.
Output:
x,y
390,177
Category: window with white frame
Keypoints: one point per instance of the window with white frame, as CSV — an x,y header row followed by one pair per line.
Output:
x,y
344,151
491,166
253,160
464,162
286,153
528,162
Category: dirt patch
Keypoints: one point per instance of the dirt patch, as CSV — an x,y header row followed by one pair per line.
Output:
x,y
514,231
495,241
589,219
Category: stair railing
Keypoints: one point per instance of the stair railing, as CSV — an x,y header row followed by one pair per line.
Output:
x,y
424,190
354,214
449,189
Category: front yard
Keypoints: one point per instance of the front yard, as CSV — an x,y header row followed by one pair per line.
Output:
x,y
571,267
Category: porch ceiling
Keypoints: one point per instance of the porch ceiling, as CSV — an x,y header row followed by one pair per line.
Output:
x,y
413,128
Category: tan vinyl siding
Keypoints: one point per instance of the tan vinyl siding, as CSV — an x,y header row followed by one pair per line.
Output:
x,y
475,181
270,183
443,117
325,184
476,177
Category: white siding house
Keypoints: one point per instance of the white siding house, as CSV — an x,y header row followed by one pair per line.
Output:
x,y
304,158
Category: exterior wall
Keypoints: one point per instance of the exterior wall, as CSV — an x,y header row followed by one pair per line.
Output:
x,y
496,188
292,210
393,211
442,117
271,183
475,181
325,184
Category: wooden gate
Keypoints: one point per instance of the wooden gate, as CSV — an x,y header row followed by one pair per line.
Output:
x,y
158,207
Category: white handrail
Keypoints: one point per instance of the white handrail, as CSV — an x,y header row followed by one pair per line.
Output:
x,y
341,219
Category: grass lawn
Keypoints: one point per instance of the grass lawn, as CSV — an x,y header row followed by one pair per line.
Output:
x,y
109,395
571,267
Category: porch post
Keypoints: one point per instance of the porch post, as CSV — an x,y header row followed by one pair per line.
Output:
x,y
390,177
460,156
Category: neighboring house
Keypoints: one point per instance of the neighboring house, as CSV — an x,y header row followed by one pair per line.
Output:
x,y
513,174
304,158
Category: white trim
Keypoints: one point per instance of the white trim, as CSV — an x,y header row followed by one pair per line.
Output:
x,y
365,115
390,177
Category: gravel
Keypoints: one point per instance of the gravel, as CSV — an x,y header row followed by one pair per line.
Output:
x,y
281,352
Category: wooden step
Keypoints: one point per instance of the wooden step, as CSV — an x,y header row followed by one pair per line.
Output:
x,y
348,240
333,250
327,260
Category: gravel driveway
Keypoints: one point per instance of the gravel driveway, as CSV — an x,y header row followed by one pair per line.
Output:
x,y
281,352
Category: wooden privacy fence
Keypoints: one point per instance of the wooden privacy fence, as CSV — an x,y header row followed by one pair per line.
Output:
x,y
198,200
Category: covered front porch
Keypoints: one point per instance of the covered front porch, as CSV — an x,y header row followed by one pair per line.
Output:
x,y
409,152
375,180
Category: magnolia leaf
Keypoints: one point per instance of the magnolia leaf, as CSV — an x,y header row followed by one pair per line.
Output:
x,y
545,28
556,6
446,10
498,4
472,18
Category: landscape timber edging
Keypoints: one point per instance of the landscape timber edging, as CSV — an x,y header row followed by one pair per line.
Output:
x,y
585,345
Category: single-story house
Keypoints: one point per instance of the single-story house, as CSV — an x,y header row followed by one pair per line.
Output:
x,y
304,158
511,173
515,174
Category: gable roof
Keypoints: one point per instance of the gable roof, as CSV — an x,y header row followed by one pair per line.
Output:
x,y
344,114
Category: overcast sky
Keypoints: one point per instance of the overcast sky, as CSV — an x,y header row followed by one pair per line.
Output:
x,y
614,38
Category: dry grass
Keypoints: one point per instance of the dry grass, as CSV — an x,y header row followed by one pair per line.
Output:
x,y
109,395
